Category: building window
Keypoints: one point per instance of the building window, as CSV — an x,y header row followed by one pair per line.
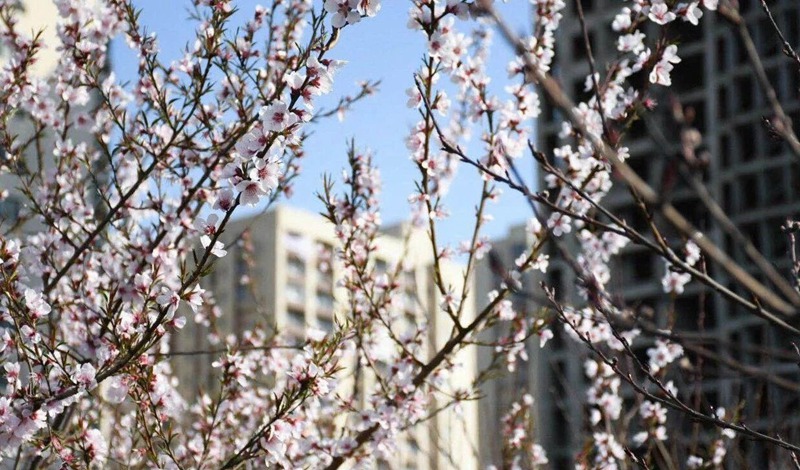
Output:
x,y
751,231
722,52
296,267
325,302
324,268
325,323
381,267
579,44
745,6
725,150
769,44
722,102
243,280
409,293
728,202
775,190
778,240
296,318
560,421
747,144
324,257
295,294
579,92
748,185
744,90
641,166
297,244
689,74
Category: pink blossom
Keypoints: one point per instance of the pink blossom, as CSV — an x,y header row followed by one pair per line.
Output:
x,y
660,14
84,376
277,117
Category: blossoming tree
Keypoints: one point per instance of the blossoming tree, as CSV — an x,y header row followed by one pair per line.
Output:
x,y
129,186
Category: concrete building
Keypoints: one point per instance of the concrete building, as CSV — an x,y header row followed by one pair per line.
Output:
x,y
287,258
507,387
753,177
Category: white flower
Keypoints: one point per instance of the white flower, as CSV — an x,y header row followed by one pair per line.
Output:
x,y
692,13
538,455
84,376
95,445
207,226
344,12
692,253
218,250
224,200
633,42
195,298
541,263
369,7
694,462
623,20
544,336
660,14
36,304
663,354
559,224
673,282
170,300
268,173
116,390
414,97
250,192
660,73
277,117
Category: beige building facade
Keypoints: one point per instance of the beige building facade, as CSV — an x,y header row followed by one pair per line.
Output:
x,y
281,272
34,16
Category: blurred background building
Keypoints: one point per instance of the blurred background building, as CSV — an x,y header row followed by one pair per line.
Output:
x,y
35,15
281,272
753,176
39,16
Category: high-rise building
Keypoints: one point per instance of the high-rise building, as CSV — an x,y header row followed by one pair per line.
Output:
x,y
281,270
753,176
507,388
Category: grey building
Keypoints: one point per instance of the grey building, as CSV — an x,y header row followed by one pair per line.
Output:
x,y
753,176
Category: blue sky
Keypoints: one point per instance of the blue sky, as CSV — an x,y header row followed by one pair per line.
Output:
x,y
378,48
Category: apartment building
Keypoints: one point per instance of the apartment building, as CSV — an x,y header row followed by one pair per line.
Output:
x,y
281,270
752,176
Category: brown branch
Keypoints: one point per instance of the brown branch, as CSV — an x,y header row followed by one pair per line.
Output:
x,y
727,224
784,126
787,47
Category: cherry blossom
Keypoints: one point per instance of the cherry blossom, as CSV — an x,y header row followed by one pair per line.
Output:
x,y
660,13
661,72
344,12
104,279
